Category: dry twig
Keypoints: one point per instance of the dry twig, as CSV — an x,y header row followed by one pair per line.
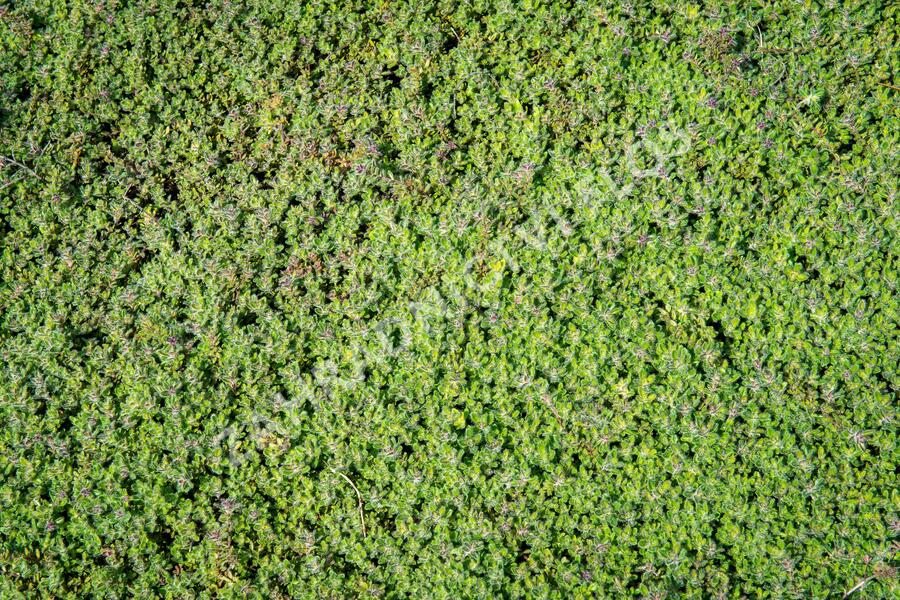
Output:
x,y
362,516
859,586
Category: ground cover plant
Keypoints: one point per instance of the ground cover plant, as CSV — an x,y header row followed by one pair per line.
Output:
x,y
445,299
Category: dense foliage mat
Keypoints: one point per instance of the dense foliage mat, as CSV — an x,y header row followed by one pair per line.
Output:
x,y
449,299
